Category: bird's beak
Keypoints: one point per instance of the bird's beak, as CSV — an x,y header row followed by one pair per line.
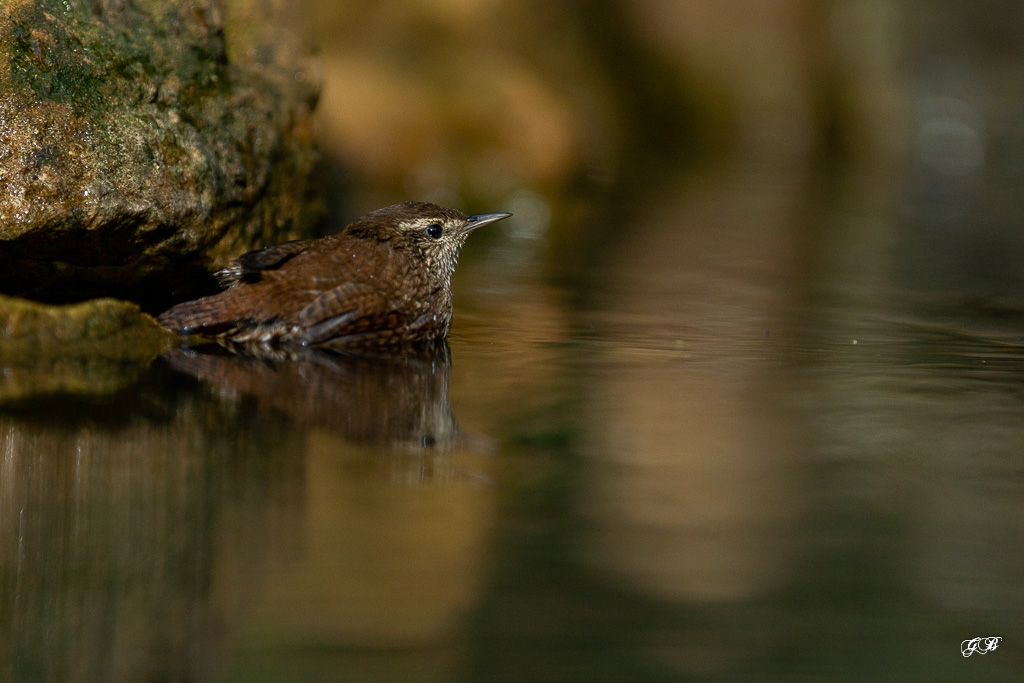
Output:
x,y
474,222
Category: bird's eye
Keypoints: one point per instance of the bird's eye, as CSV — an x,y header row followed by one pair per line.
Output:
x,y
434,231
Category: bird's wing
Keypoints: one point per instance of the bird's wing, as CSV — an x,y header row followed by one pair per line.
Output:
x,y
358,305
249,266
348,310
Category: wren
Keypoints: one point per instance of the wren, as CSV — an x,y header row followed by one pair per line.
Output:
x,y
381,283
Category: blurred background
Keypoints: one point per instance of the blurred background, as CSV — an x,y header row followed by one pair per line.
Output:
x,y
586,119
736,395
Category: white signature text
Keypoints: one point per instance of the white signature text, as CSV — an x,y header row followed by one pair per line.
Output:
x,y
979,645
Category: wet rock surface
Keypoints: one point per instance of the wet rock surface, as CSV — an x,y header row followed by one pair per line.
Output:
x,y
90,348
146,142
108,321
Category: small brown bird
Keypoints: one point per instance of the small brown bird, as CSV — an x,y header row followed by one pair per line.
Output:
x,y
383,282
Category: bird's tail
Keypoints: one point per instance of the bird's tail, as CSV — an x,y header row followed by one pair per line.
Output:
x,y
203,316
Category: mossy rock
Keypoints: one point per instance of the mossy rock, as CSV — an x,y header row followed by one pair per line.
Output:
x,y
146,142
93,347
108,322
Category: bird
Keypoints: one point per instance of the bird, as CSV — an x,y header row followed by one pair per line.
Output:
x,y
384,282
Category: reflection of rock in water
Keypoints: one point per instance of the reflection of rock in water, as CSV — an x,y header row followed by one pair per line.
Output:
x,y
399,402
88,349
111,511
160,532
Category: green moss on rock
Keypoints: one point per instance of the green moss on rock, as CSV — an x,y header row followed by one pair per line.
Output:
x,y
107,327
140,151
90,348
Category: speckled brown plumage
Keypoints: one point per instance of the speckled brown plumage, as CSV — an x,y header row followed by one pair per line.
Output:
x,y
384,281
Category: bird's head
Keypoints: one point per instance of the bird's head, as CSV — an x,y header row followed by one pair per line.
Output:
x,y
431,232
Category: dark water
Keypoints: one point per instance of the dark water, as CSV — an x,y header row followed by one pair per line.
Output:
x,y
763,439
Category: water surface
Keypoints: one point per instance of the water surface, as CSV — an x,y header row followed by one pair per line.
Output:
x,y
750,444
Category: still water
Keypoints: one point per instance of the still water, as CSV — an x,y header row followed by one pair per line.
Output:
x,y
746,445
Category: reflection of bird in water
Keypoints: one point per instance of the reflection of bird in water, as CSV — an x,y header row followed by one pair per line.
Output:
x,y
399,402
382,283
